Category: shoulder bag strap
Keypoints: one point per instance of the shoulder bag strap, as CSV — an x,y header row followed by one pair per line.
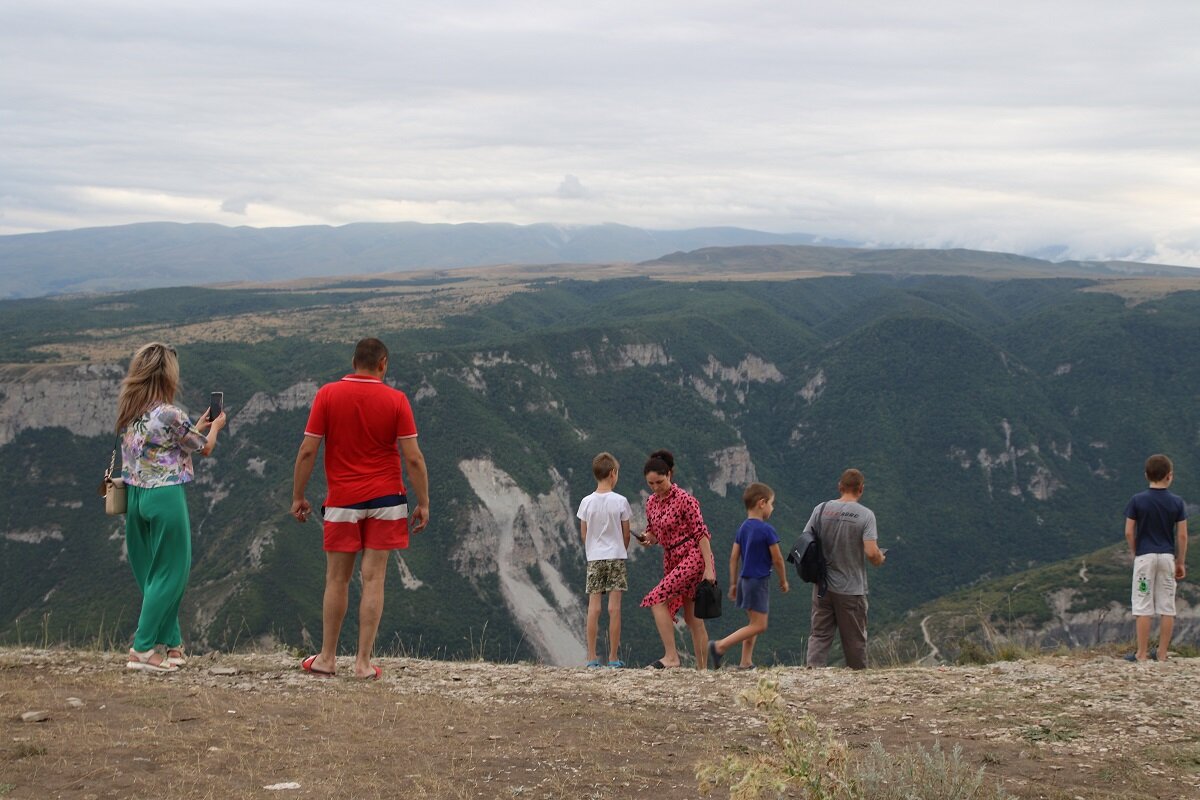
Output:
x,y
817,524
112,461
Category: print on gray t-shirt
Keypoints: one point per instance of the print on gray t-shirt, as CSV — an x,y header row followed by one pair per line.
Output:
x,y
844,527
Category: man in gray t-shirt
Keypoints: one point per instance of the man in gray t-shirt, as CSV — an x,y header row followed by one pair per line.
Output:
x,y
849,540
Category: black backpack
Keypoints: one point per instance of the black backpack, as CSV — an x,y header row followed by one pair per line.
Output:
x,y
807,556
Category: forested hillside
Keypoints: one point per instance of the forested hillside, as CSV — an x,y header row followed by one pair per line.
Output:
x,y
1001,425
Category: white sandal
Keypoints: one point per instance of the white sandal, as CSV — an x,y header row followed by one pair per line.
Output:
x,y
141,661
179,660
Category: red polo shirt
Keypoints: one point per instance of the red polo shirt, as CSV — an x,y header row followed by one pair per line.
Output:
x,y
360,418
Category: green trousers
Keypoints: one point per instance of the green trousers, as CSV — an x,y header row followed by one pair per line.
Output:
x,y
158,539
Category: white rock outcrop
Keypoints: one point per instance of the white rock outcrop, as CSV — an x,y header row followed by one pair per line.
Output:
x,y
510,535
731,467
751,369
82,399
298,395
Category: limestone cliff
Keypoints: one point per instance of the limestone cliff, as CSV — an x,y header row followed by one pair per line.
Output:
x,y
82,399
513,535
731,466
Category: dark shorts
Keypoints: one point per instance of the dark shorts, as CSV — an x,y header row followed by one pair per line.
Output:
x,y
754,594
379,524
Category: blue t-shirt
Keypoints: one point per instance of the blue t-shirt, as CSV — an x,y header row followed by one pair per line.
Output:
x,y
754,540
1155,512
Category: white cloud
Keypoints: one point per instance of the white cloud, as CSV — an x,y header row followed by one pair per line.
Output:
x,y
1021,126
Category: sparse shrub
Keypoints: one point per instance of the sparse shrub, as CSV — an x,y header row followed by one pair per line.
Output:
x,y
925,774
802,761
1010,652
971,652
800,757
27,750
1185,650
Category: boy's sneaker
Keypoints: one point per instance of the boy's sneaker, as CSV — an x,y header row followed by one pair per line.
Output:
x,y
595,662
618,664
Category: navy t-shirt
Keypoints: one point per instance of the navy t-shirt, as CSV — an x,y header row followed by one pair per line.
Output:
x,y
754,540
1155,512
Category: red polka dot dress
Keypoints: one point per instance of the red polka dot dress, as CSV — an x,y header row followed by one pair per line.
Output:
x,y
676,522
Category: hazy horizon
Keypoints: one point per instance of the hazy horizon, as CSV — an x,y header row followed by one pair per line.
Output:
x,y
1058,131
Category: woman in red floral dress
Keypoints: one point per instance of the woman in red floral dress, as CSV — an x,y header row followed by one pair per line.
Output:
x,y
673,520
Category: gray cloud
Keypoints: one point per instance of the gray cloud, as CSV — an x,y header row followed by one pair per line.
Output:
x,y
1021,127
572,189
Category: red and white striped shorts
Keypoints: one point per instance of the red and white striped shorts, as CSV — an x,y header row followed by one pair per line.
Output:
x,y
379,524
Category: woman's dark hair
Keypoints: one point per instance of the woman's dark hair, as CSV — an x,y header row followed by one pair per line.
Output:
x,y
660,461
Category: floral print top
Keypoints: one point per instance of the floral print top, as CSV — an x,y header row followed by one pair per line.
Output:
x,y
156,448
675,519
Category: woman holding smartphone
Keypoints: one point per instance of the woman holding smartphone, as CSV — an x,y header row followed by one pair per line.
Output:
x,y
157,443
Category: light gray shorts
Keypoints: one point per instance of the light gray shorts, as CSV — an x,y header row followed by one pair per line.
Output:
x,y
1154,585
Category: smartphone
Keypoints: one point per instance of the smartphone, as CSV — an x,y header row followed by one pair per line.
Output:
x,y
216,404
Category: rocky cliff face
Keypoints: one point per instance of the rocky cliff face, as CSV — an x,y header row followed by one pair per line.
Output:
x,y
82,399
260,404
521,539
1018,470
731,466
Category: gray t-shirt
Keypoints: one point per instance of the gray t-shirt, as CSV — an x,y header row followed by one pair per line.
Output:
x,y
843,529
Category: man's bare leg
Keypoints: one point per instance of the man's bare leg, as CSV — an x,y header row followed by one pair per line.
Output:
x,y
370,609
339,567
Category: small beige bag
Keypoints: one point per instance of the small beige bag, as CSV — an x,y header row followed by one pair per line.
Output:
x,y
113,489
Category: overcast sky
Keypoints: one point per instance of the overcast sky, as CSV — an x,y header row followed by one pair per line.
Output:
x,y
1018,126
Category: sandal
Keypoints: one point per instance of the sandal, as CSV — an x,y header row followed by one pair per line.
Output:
x,y
142,662
176,657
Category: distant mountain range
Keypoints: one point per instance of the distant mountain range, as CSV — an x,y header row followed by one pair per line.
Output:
x,y
159,254
154,254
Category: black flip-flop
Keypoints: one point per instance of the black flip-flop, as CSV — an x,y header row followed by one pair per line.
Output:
x,y
657,665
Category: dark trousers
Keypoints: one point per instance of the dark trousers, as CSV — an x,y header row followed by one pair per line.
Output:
x,y
847,615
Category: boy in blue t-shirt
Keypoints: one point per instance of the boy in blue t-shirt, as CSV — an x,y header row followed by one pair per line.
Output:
x,y
757,548
1156,529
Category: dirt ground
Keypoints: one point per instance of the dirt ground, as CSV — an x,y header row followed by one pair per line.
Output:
x,y
233,726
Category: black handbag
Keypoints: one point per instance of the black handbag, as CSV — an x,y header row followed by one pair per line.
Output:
x,y
809,558
708,600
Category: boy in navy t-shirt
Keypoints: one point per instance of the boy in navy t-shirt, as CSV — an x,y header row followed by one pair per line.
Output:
x,y
1156,529
757,550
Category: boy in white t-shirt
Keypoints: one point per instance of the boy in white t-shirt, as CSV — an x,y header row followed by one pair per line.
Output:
x,y
604,526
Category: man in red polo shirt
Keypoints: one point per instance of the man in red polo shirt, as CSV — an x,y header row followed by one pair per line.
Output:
x,y
360,419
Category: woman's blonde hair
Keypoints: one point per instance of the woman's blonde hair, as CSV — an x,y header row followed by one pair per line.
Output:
x,y
153,378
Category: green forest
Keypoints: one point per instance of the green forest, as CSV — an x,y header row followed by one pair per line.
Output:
x,y
1001,424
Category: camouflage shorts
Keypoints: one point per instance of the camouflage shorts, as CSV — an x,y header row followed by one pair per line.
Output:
x,y
608,575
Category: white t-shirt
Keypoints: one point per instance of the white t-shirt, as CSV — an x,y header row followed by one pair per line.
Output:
x,y
604,512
